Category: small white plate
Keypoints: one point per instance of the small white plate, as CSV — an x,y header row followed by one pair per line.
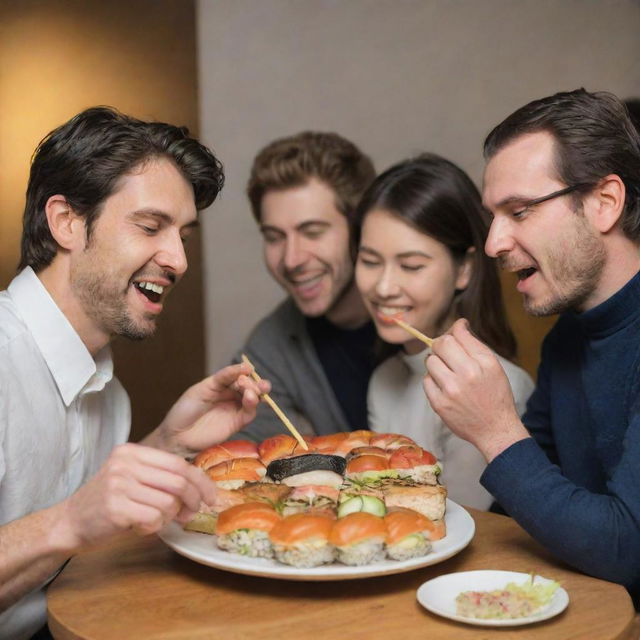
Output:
x,y
439,596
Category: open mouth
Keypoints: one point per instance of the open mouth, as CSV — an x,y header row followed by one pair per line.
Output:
x,y
523,274
152,291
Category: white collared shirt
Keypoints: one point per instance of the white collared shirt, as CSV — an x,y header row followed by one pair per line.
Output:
x,y
61,414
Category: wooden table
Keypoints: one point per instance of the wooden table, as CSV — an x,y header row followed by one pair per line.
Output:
x,y
138,588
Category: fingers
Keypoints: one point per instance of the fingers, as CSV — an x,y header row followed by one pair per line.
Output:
x,y
149,487
251,389
461,351
461,331
238,376
229,383
432,391
172,474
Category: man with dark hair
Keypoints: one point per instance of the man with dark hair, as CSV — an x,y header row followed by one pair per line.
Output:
x,y
110,202
562,181
316,347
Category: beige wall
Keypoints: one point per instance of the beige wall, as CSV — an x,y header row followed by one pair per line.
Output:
x,y
58,57
395,76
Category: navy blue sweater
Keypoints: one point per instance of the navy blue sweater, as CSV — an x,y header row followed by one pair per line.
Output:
x,y
575,486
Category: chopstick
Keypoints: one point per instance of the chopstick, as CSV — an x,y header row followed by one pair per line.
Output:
x,y
269,400
414,332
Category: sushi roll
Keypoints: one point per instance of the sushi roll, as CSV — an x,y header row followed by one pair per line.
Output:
x,y
416,463
235,473
352,488
312,468
369,468
359,438
310,499
244,529
359,538
302,540
202,522
267,492
281,446
369,451
407,534
429,500
391,441
225,451
328,443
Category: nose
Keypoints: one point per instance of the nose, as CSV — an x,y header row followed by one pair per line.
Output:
x,y
499,239
386,285
295,253
171,255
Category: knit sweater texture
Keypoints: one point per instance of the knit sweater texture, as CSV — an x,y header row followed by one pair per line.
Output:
x,y
575,485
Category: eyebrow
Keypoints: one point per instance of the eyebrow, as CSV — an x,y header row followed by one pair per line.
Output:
x,y
301,227
405,254
512,199
163,216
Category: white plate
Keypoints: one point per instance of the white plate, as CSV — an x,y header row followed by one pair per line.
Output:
x,y
439,596
202,548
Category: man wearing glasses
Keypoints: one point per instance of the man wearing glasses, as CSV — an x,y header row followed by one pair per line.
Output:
x,y
562,182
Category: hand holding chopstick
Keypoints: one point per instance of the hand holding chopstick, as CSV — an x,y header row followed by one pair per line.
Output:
x,y
269,400
414,332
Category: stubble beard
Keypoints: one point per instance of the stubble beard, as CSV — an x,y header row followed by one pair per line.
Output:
x,y
336,295
578,269
105,302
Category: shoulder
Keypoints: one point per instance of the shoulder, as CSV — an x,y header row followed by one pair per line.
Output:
x,y
283,321
279,342
391,371
117,390
12,327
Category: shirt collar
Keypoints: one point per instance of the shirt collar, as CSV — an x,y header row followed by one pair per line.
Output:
x,y
621,309
67,357
415,361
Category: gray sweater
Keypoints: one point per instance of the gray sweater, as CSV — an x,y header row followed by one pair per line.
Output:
x,y
282,352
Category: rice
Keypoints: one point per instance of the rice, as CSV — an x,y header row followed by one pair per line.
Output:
x,y
247,542
305,554
413,546
370,550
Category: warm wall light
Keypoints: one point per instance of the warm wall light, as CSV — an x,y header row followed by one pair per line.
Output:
x,y
59,57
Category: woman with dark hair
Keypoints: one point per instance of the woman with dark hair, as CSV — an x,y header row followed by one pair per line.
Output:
x,y
421,258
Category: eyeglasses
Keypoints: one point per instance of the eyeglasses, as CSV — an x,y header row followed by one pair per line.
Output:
x,y
556,194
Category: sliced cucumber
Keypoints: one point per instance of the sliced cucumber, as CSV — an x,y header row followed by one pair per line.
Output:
x,y
373,505
350,506
369,504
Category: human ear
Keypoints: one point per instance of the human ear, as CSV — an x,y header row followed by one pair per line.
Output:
x,y
465,270
609,198
67,228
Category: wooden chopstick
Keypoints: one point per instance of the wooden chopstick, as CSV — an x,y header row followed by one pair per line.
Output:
x,y
414,332
269,400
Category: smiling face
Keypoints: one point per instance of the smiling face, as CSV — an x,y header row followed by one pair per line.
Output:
x,y
135,252
405,273
306,247
556,254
